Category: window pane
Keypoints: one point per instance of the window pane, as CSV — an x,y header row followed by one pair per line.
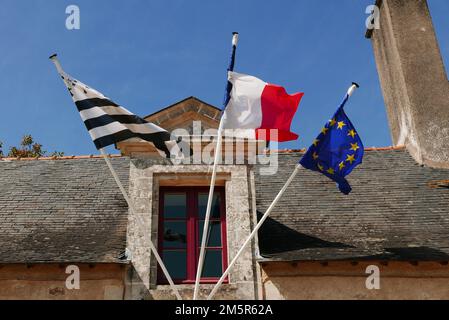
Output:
x,y
214,234
202,205
212,264
175,235
175,205
176,263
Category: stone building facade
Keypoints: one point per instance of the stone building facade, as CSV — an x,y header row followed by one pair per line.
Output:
x,y
317,244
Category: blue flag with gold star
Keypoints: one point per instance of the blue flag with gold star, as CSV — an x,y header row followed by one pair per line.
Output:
x,y
337,150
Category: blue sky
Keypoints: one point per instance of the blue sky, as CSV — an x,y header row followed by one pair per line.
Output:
x,y
146,55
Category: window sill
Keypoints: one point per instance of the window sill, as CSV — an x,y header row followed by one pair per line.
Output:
x,y
191,282
183,286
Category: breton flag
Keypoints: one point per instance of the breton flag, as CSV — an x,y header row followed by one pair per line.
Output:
x,y
338,149
254,107
109,123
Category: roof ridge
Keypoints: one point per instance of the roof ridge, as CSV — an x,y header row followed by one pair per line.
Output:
x,y
400,147
91,156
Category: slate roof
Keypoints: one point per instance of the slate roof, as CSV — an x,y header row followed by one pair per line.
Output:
x,y
62,211
398,210
70,210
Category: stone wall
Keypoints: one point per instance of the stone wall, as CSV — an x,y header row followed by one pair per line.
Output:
x,y
47,282
346,280
146,176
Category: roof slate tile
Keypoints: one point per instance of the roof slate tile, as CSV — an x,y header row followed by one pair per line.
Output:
x,y
62,211
392,213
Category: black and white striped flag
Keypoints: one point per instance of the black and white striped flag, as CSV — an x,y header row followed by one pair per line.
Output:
x,y
109,123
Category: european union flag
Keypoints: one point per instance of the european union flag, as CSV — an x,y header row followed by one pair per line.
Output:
x,y
337,150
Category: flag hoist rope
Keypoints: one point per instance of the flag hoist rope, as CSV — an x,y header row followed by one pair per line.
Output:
x,y
217,156
128,200
264,217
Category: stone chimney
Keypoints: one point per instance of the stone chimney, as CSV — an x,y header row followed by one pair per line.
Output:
x,y
413,80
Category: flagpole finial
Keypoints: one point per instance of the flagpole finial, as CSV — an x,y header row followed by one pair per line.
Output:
x,y
54,59
352,88
235,38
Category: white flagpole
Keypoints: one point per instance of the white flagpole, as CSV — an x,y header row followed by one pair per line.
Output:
x,y
212,183
265,216
55,60
254,232
140,222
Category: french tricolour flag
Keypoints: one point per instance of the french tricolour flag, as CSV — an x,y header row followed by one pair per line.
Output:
x,y
255,106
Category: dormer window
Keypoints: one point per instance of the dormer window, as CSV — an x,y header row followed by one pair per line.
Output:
x,y
181,222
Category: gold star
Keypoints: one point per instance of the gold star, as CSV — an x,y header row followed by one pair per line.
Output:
x,y
341,165
330,171
332,122
354,146
320,167
314,156
340,124
352,133
350,158
315,142
324,130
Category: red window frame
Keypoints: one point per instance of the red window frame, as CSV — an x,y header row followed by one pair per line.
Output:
x,y
193,238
